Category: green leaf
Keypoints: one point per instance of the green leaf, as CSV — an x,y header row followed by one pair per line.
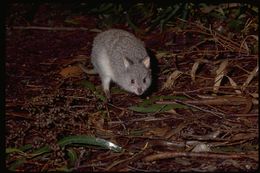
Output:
x,y
148,106
17,163
169,97
100,96
72,156
154,98
89,140
155,108
19,150
104,7
81,139
149,101
131,24
89,85
12,150
136,132
235,24
162,14
72,21
20,161
92,87
26,147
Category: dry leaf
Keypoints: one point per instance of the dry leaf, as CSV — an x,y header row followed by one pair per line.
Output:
x,y
255,101
71,71
96,120
158,131
255,98
172,111
201,147
255,95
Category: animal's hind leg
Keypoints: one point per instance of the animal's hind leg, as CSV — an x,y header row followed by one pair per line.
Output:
x,y
106,84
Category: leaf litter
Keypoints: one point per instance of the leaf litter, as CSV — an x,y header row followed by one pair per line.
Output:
x,y
202,114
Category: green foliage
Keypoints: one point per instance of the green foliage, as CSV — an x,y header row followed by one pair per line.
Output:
x,y
148,106
155,108
91,87
149,15
80,139
72,156
109,13
89,140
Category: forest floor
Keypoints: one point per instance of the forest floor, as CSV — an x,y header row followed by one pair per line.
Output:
x,y
201,113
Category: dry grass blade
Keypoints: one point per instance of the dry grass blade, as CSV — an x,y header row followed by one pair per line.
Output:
x,y
171,79
168,54
250,77
234,85
220,100
222,40
194,69
220,73
244,44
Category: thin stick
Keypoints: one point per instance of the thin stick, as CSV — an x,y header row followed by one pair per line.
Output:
x,y
168,155
218,114
48,28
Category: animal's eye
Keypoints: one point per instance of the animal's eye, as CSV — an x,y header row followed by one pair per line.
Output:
x,y
132,81
144,80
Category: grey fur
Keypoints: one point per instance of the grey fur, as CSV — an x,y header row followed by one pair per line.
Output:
x,y
119,56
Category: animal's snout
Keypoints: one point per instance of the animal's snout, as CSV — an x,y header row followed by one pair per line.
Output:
x,y
139,91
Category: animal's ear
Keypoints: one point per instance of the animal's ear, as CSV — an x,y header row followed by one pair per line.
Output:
x,y
146,62
127,62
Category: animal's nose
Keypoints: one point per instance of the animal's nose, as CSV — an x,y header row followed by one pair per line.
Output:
x,y
140,91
